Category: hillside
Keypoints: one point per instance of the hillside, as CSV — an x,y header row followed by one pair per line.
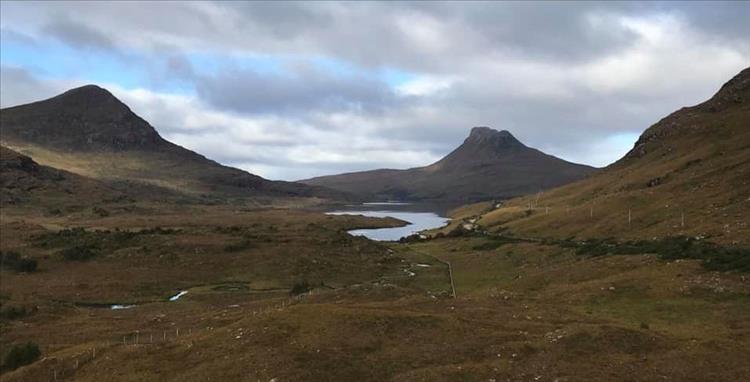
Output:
x,y
24,180
89,132
688,174
490,164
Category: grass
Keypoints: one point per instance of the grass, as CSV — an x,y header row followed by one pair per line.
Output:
x,y
384,311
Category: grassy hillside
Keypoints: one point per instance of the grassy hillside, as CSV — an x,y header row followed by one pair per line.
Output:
x,y
89,132
689,174
24,181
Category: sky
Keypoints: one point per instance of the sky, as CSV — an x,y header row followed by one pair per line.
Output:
x,y
301,89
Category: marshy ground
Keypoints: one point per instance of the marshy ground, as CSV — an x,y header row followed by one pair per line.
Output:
x,y
361,310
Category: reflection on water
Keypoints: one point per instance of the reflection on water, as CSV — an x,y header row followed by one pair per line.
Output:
x,y
419,221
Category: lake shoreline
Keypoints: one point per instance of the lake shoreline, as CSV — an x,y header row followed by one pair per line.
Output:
x,y
415,218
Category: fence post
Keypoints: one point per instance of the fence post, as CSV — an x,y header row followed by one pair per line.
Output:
x,y
629,217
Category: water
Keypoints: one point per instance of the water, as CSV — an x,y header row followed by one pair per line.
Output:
x,y
178,295
420,217
121,307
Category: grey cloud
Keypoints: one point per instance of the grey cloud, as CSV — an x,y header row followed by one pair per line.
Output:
x,y
726,19
369,33
19,86
304,90
179,66
78,35
12,36
523,67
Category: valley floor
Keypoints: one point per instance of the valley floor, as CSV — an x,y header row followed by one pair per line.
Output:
x,y
360,310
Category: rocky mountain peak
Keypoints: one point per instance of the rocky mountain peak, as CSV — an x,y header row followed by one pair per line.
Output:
x,y
491,138
733,95
734,92
87,118
89,99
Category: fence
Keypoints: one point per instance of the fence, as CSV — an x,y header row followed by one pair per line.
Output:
x,y
62,367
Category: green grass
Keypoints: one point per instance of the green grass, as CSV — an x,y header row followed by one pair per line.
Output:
x,y
713,256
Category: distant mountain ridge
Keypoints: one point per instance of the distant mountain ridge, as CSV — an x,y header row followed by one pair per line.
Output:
x,y
88,131
490,164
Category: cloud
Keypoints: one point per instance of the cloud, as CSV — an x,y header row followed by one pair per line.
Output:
x,y
301,88
19,86
78,35
293,90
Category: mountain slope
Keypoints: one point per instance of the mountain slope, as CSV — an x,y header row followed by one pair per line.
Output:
x,y
22,180
89,132
688,174
489,164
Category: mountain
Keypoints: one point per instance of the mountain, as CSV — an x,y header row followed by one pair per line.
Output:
x,y
490,164
688,174
88,131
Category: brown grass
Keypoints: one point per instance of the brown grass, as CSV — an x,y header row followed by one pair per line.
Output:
x,y
523,310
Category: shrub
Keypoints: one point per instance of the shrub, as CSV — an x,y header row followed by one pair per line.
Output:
x,y
596,248
100,211
20,355
78,253
158,231
300,287
241,246
12,312
495,243
97,238
26,265
413,238
713,256
14,261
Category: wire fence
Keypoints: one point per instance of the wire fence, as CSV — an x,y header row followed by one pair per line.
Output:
x,y
64,364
